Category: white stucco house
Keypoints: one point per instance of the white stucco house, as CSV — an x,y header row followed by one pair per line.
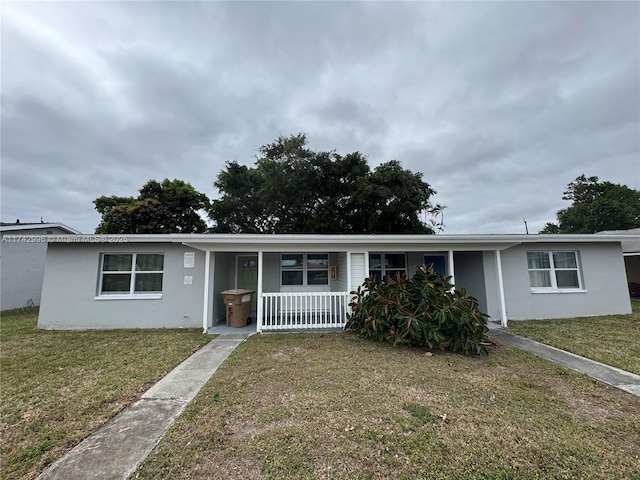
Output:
x,y
304,281
23,249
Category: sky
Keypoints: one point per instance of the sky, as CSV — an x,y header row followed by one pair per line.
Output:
x,y
498,104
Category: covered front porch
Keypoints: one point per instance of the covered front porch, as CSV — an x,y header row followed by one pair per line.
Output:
x,y
306,285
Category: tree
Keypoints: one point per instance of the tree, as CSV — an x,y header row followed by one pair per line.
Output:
x,y
597,206
293,189
168,207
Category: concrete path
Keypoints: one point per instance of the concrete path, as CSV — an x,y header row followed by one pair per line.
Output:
x,y
629,382
117,448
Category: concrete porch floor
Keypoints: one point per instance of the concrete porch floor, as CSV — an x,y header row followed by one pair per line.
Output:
x,y
223,329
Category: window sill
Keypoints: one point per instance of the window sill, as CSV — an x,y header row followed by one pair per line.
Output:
x,y
139,296
564,290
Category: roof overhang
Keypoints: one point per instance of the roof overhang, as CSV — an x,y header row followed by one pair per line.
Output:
x,y
302,242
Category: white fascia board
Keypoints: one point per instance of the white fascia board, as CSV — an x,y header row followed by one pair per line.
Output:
x,y
38,226
276,242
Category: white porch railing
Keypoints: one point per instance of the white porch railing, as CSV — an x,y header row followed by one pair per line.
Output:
x,y
304,310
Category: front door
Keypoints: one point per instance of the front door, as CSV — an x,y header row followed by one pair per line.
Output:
x,y
247,275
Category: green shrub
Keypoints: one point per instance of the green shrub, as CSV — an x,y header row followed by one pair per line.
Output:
x,y
422,311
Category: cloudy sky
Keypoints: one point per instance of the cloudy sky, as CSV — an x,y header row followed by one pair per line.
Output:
x,y
498,104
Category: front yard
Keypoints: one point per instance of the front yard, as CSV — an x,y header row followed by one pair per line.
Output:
x,y
612,339
340,407
58,387
318,406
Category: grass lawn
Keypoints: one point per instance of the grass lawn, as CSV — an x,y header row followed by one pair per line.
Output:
x,y
612,339
58,387
337,406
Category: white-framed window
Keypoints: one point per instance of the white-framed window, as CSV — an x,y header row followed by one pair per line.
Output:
x,y
304,269
131,274
387,265
551,271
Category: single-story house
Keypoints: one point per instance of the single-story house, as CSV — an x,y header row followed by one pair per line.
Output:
x,y
23,249
304,281
631,253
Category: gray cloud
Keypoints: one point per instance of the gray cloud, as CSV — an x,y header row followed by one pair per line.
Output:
x,y
500,105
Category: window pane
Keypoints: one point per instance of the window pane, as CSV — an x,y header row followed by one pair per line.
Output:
x,y
292,261
564,260
116,282
438,262
317,260
292,278
150,262
117,263
538,260
392,273
539,278
394,260
148,282
375,261
567,279
319,277
374,275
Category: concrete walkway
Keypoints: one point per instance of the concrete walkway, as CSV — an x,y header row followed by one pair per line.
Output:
x,y
629,382
117,448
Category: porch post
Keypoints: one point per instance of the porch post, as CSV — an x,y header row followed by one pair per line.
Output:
x,y
452,271
205,305
260,301
503,306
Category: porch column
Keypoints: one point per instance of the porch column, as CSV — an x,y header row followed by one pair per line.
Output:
x,y
260,301
452,272
205,305
503,306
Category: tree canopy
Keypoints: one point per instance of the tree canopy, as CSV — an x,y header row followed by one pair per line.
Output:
x,y
292,189
597,206
168,207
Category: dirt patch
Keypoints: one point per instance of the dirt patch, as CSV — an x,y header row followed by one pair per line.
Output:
x,y
225,465
584,407
280,356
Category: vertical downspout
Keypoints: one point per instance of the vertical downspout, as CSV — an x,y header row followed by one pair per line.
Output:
x,y
503,306
260,300
205,305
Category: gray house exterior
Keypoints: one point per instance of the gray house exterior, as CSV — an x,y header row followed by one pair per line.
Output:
x,y
23,249
631,253
304,281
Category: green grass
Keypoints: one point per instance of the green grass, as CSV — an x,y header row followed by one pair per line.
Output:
x,y
57,387
611,339
337,406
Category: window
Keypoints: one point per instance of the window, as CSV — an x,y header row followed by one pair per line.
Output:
x,y
305,269
131,273
439,263
553,270
387,265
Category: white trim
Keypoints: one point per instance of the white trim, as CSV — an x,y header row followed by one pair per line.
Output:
x,y
132,273
135,296
383,268
553,270
503,305
305,287
452,271
260,299
538,290
38,226
205,302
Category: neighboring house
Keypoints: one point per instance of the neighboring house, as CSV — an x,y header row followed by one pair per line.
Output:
x,y
304,281
23,248
631,253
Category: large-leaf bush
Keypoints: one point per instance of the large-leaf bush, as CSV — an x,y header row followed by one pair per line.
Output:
x,y
422,311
